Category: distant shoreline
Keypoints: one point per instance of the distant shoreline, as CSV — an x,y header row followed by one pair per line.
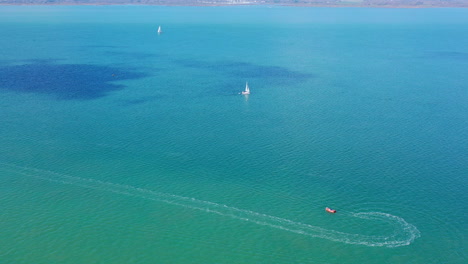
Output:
x,y
222,5
242,4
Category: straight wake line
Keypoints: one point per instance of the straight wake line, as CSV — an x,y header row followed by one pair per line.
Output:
x,y
403,234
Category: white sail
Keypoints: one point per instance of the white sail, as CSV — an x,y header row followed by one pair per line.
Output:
x,y
159,30
247,89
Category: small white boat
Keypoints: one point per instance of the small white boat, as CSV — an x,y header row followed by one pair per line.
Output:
x,y
247,89
159,30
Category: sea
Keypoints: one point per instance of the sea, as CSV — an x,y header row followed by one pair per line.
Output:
x,y
122,145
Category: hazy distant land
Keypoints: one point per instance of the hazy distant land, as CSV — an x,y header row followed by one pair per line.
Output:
x,y
330,3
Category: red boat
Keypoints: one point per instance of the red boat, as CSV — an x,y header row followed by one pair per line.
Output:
x,y
330,210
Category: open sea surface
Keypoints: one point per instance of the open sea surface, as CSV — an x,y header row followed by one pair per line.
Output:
x,y
119,145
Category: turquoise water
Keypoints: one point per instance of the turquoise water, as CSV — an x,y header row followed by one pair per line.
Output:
x,y
119,145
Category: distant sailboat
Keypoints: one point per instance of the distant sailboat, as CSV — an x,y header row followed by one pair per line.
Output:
x,y
159,30
247,89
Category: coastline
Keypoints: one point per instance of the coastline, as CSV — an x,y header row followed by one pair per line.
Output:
x,y
356,5
225,5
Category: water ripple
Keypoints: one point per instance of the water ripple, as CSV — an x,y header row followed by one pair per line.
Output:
x,y
403,233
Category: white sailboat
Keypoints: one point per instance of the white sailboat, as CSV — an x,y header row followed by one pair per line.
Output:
x,y
159,30
247,89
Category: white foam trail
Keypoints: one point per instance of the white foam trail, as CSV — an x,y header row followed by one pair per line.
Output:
x,y
404,233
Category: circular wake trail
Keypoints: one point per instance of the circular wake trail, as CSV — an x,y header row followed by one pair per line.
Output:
x,y
404,233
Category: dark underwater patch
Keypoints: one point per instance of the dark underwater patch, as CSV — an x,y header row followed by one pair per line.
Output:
x,y
64,81
248,70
